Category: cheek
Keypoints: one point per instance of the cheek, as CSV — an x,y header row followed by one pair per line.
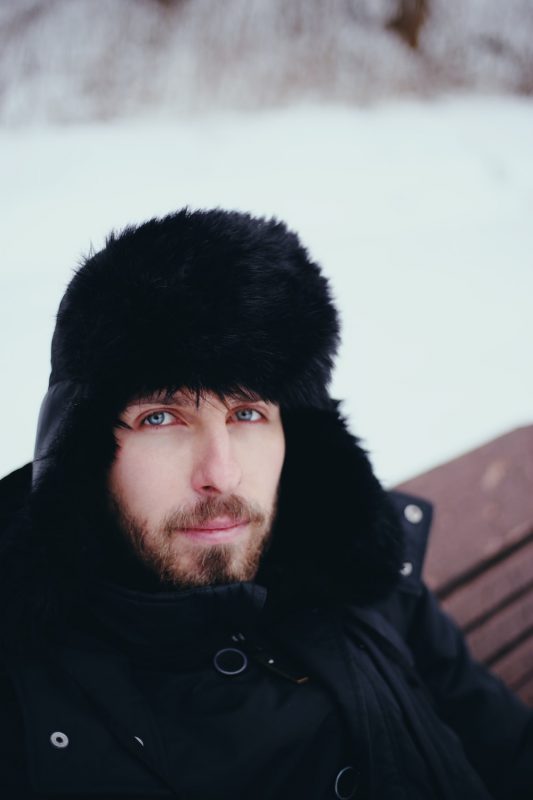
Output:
x,y
124,479
265,465
277,459
145,482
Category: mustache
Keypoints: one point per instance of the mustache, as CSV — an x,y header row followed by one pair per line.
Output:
x,y
209,508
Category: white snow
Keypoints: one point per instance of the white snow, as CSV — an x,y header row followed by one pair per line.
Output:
x,y
421,214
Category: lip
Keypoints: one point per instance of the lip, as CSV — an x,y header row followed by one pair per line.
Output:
x,y
216,531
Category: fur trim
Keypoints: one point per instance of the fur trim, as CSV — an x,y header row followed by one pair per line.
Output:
x,y
338,538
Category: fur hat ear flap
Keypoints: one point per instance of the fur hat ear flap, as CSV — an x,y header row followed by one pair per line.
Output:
x,y
337,537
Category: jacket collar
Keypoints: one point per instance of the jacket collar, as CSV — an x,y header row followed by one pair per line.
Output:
x,y
166,623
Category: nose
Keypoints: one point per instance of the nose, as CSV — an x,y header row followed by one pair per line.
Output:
x,y
216,469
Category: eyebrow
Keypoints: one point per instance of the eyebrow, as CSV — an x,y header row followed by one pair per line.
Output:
x,y
164,399
183,398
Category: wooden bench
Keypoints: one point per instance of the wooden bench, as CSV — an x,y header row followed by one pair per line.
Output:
x,y
480,555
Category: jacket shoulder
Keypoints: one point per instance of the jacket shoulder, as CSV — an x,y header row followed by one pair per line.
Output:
x,y
14,490
391,617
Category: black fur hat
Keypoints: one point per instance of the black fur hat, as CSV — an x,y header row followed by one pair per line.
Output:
x,y
217,301
200,299
211,300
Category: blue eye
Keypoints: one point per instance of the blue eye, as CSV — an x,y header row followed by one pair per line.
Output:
x,y
157,419
245,415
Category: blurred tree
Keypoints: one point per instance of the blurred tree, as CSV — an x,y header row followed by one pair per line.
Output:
x,y
170,3
409,20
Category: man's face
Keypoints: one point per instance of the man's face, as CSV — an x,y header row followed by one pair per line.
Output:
x,y
194,484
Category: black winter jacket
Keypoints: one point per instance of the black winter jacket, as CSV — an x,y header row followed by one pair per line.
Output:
x,y
406,712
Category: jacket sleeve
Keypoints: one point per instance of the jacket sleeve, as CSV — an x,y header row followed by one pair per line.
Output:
x,y
495,727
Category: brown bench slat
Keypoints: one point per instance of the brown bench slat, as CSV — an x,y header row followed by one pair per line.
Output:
x,y
487,592
501,630
517,666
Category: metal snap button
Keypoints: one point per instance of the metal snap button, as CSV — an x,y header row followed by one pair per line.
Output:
x,y
138,739
346,783
59,739
407,569
413,514
230,661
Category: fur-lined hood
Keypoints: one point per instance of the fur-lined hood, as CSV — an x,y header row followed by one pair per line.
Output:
x,y
209,301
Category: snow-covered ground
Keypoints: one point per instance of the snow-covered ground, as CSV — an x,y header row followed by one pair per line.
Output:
x,y
421,213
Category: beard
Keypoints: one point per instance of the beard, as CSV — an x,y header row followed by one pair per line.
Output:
x,y
186,564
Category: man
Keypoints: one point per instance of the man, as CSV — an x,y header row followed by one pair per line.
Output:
x,y
203,592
